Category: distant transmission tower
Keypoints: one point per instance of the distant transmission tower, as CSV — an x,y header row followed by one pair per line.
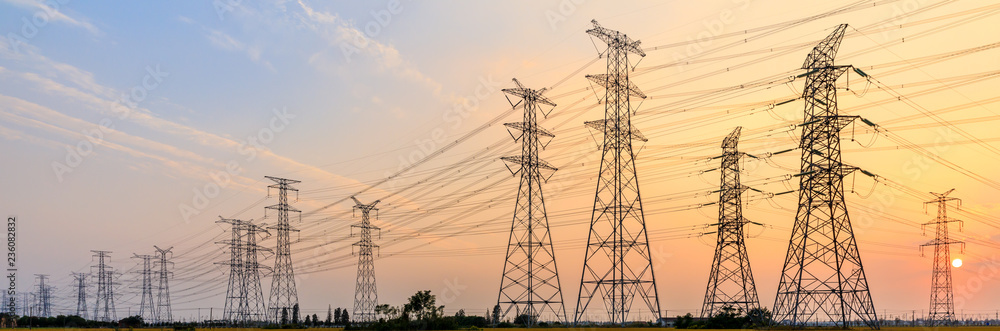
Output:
x,y
164,313
44,297
81,294
283,294
146,308
823,280
530,283
942,310
365,293
104,309
730,283
618,265
244,296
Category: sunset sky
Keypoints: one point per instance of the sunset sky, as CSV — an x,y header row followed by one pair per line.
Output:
x,y
132,124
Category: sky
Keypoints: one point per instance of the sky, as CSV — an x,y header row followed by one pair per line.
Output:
x,y
132,124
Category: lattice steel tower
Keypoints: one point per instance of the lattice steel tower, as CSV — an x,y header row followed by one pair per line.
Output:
x,y
365,293
81,293
44,297
730,283
530,283
164,314
618,265
104,308
244,295
146,308
283,293
942,310
823,279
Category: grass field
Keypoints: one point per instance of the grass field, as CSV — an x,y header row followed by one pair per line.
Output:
x,y
951,328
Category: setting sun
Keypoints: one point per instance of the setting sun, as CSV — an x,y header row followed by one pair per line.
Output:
x,y
956,263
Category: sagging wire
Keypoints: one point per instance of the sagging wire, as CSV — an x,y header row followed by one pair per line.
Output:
x,y
871,190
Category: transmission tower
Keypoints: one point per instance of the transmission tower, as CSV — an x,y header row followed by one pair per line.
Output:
x,y
44,296
104,308
255,304
146,308
530,283
163,310
81,294
244,296
365,294
942,310
283,293
730,283
822,279
618,265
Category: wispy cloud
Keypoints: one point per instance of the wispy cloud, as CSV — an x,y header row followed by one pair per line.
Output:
x,y
55,14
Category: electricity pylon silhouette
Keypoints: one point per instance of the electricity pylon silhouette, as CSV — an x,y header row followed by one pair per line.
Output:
x,y
104,307
80,279
44,297
283,293
823,279
164,314
236,288
146,308
942,311
365,292
730,283
530,283
618,265
244,296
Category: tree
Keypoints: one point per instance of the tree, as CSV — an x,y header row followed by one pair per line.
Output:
x,y
759,318
345,318
295,314
284,315
728,317
337,317
390,312
496,315
460,313
683,322
131,321
307,321
315,320
329,315
422,306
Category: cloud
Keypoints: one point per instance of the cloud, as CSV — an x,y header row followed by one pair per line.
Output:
x,y
224,41
30,56
344,39
44,11
164,153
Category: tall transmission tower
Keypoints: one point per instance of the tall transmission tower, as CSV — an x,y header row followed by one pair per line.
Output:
x,y
618,265
164,313
530,283
942,311
104,308
81,294
730,283
283,293
44,297
256,310
823,280
244,296
365,293
147,310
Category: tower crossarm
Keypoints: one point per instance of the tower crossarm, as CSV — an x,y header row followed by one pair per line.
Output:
x,y
611,81
616,39
607,127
